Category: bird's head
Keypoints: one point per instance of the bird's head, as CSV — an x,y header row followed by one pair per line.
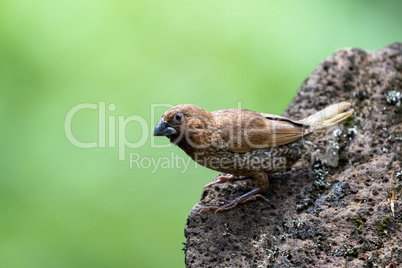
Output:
x,y
185,120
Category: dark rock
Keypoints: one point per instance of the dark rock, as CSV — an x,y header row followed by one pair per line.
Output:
x,y
332,209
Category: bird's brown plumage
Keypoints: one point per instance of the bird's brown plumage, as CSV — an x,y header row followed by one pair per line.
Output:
x,y
243,142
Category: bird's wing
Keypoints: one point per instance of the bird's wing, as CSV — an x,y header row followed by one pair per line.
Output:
x,y
249,131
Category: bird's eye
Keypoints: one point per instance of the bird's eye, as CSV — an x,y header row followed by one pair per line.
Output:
x,y
178,118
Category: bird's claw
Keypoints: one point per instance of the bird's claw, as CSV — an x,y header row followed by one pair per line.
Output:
x,y
222,200
250,196
219,179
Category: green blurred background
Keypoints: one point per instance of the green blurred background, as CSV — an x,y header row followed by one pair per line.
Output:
x,y
63,206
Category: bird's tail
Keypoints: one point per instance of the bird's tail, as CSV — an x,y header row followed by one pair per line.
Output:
x,y
329,116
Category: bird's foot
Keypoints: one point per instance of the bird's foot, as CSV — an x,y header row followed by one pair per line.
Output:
x,y
219,179
250,196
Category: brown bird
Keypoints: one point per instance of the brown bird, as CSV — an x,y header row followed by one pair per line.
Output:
x,y
244,143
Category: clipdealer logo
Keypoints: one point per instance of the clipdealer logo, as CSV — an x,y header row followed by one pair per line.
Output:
x,y
114,135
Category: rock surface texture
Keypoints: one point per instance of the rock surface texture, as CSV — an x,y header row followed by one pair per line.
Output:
x,y
333,208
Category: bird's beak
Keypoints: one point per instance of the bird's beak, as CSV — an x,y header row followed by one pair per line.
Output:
x,y
163,128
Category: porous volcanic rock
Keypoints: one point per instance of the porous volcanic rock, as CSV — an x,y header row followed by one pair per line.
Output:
x,y
333,208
